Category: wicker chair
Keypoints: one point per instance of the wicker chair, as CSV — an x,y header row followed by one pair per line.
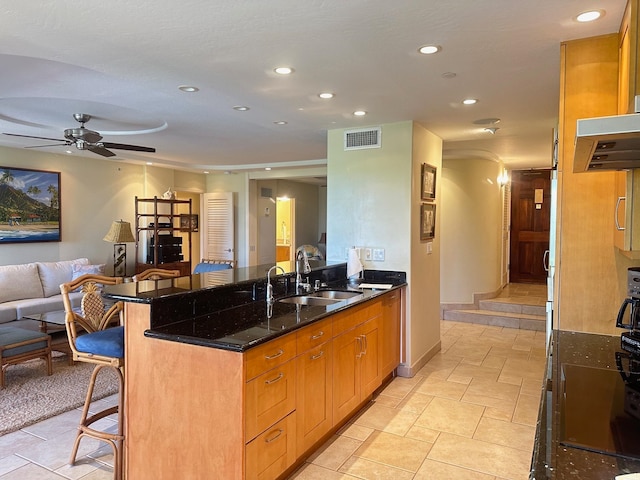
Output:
x,y
97,336
155,274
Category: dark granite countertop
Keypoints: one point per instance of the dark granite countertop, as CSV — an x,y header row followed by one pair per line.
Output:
x,y
554,456
227,309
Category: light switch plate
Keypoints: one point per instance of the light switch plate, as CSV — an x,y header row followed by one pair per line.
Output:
x,y
378,254
367,254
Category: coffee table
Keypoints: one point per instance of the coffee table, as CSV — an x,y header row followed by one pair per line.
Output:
x,y
53,324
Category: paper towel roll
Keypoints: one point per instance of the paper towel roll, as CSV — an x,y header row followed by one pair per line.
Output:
x,y
354,266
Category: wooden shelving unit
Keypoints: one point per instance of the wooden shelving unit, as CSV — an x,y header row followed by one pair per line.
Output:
x,y
157,245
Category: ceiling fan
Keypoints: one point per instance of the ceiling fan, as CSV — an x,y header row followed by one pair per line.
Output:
x,y
85,139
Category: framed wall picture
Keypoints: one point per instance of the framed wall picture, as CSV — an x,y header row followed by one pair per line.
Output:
x,y
188,223
428,182
29,205
427,221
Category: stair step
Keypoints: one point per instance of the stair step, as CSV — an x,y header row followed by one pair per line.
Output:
x,y
498,305
522,321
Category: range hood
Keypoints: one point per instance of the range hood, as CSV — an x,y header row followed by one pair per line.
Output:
x,y
608,143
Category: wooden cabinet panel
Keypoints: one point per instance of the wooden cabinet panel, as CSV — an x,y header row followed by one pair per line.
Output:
x,y
269,355
315,396
628,58
269,397
270,454
390,338
370,359
626,217
346,374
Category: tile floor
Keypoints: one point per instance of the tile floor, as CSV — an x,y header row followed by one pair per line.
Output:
x,y
469,414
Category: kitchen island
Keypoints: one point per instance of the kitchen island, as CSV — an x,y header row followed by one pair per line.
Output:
x,y
586,430
220,385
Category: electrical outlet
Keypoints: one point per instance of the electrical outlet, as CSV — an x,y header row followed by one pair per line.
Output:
x,y
367,254
378,254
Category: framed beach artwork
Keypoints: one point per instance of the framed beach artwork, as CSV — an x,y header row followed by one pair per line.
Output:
x,y
427,221
29,205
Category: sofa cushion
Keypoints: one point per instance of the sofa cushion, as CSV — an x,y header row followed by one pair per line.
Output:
x,y
8,313
20,281
43,305
53,274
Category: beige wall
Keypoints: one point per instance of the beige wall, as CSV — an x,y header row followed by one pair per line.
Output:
x,y
471,229
373,201
93,193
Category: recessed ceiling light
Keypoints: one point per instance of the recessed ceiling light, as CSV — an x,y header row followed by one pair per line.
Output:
x,y
280,122
69,151
241,108
359,113
267,168
487,121
283,70
470,101
590,16
188,88
491,130
206,172
449,75
326,95
149,163
429,49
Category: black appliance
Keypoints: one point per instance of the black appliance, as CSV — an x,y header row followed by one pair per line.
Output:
x,y
168,249
629,313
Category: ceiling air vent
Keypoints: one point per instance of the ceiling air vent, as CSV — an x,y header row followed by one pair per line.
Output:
x,y
266,192
362,138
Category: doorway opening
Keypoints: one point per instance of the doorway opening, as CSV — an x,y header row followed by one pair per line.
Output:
x,y
285,228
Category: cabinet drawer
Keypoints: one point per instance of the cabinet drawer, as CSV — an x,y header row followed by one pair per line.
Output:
x,y
273,452
265,357
314,335
269,398
352,317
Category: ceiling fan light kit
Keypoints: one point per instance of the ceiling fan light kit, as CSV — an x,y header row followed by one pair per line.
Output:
x,y
85,139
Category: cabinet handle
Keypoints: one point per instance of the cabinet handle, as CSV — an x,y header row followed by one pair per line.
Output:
x,y
274,438
620,199
319,335
317,356
359,339
275,355
274,380
545,261
365,343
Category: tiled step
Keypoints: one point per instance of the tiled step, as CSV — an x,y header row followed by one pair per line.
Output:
x,y
522,321
498,305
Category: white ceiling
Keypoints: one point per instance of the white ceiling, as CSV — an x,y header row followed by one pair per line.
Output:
x,y
122,62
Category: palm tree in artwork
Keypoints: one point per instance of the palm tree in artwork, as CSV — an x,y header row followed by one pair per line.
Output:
x,y
34,190
7,177
54,196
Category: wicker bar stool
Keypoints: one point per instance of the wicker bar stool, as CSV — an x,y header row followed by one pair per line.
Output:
x,y
96,336
155,274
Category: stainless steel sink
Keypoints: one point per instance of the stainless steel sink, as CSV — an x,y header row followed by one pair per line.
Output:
x,y
338,294
310,300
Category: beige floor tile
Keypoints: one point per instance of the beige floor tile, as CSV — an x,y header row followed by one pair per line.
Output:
x,y
431,470
525,368
415,402
503,412
441,388
491,394
423,434
463,371
393,450
370,470
387,400
31,472
309,471
494,361
17,441
335,452
451,416
387,419
10,463
526,411
506,433
508,352
400,387
531,387
484,457
357,432
510,379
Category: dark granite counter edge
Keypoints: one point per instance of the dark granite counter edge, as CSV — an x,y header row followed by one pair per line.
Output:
x,y
369,294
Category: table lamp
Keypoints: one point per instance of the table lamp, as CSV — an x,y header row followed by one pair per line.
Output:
x,y
118,234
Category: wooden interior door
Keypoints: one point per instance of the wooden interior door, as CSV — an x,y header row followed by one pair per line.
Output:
x,y
530,221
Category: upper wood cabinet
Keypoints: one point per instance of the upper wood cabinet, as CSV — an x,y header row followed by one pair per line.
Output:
x,y
627,213
629,75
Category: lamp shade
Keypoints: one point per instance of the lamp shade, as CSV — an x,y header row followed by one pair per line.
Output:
x,y
120,232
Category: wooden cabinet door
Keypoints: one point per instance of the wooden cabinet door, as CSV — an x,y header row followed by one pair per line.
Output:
x,y
314,396
621,237
271,453
370,359
347,349
390,338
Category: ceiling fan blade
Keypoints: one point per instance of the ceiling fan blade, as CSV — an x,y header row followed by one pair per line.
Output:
x,y
40,138
100,150
124,146
50,145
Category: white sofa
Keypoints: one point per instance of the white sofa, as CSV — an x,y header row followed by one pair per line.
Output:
x,y
35,287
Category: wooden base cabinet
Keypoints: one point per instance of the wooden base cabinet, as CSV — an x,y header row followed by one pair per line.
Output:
x,y
253,415
390,340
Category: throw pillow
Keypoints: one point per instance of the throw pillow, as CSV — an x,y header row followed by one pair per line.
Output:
x,y
79,270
